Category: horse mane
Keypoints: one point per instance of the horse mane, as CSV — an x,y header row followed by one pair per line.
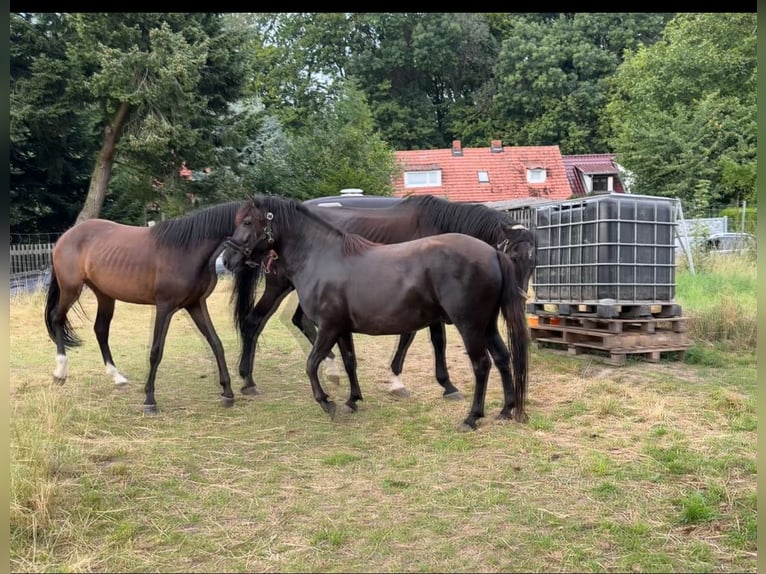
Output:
x,y
288,212
478,220
189,230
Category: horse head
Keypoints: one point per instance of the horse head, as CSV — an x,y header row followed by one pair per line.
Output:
x,y
521,246
252,237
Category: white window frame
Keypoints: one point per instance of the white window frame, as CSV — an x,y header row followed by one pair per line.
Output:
x,y
483,176
537,175
609,182
425,178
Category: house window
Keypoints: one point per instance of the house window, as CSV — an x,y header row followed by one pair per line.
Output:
x,y
483,177
536,175
602,183
432,178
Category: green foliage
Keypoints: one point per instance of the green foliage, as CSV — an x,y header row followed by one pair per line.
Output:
x,y
551,76
304,104
696,507
683,110
338,150
720,299
735,218
53,140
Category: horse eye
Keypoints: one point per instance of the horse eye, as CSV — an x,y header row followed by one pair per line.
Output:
x,y
248,221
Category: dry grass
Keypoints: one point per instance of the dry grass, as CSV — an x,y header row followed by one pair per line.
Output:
x,y
642,467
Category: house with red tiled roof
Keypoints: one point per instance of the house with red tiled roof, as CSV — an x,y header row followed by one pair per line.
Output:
x,y
485,174
594,173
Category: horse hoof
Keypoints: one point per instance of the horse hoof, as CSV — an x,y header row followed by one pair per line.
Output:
x,y
59,380
150,409
503,416
400,392
454,396
227,401
466,427
521,416
348,408
251,390
329,408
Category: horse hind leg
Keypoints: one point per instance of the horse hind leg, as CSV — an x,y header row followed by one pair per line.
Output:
x,y
502,359
101,328
439,343
57,305
395,386
481,364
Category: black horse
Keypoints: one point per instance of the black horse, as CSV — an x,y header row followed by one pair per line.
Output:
x,y
348,284
170,265
410,218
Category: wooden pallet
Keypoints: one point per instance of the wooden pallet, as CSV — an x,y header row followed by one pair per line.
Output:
x,y
615,326
615,310
615,338
616,357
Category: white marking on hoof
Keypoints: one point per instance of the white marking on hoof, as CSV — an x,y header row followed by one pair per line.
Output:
x,y
62,367
395,383
112,371
331,367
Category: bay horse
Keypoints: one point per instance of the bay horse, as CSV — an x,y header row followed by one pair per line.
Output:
x,y
348,284
403,220
170,265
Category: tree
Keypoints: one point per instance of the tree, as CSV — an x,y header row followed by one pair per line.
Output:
x,y
161,82
341,149
420,72
551,75
52,140
683,110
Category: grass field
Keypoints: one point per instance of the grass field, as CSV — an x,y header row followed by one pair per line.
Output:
x,y
645,467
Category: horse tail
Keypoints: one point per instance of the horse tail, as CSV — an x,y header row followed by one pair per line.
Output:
x,y
243,294
51,302
512,305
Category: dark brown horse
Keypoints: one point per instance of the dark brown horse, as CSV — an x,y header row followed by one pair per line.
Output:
x,y
170,265
348,284
404,220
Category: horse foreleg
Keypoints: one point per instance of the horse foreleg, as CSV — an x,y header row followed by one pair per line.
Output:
x,y
322,345
201,318
101,328
307,327
396,386
253,326
161,323
346,344
502,359
439,343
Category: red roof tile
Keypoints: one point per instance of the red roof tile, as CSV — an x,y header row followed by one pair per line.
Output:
x,y
507,170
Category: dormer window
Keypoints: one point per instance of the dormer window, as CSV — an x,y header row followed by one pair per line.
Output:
x,y
483,176
536,175
425,178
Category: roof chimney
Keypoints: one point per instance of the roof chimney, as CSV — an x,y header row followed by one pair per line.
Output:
x,y
457,148
497,146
